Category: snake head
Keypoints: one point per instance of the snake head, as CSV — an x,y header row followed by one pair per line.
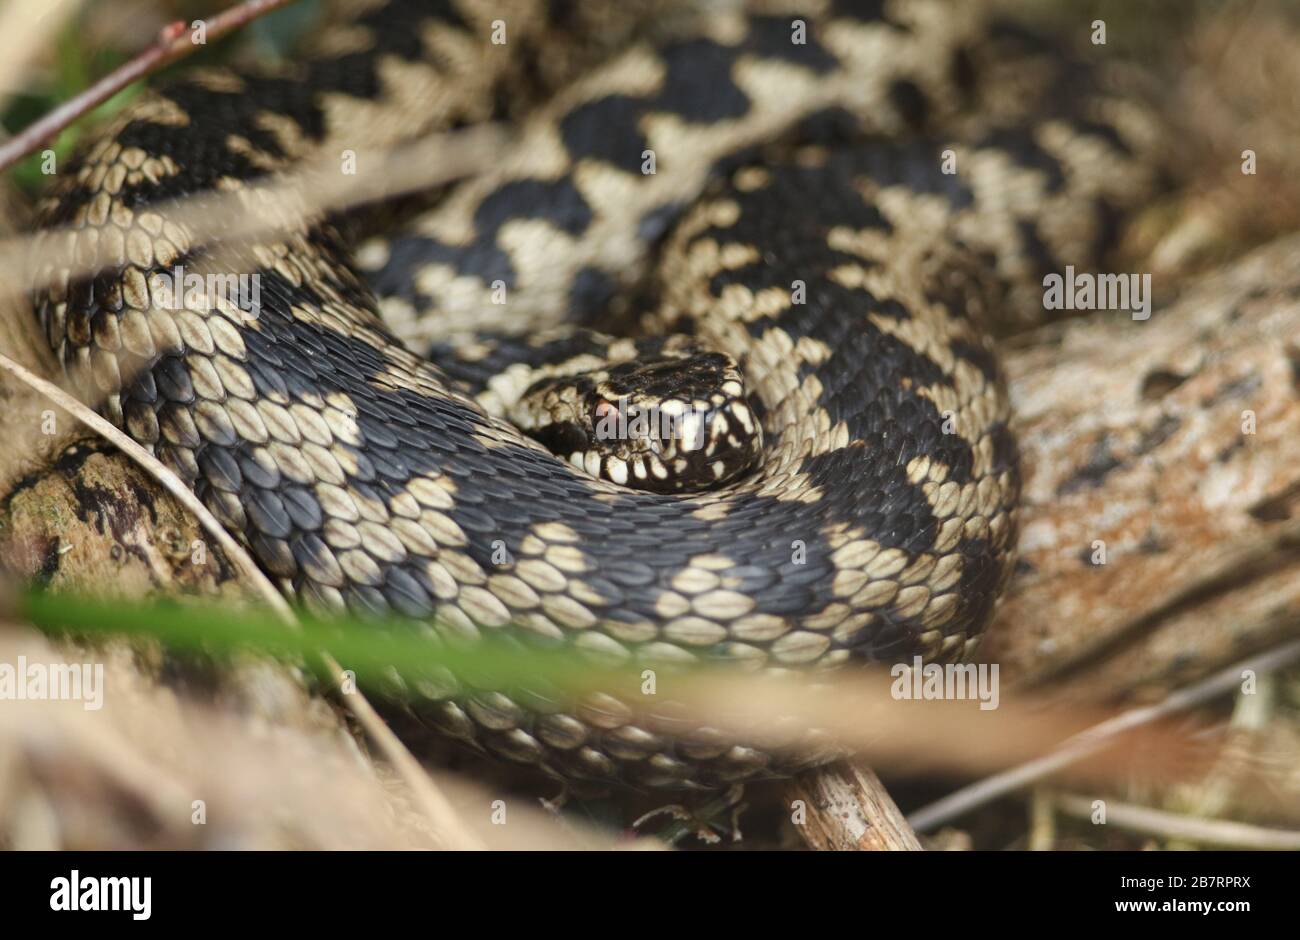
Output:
x,y
669,422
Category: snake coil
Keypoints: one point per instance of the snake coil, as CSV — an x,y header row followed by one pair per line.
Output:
x,y
843,199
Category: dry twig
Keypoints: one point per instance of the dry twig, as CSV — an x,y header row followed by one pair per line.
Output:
x,y
1218,832
1095,738
253,576
446,823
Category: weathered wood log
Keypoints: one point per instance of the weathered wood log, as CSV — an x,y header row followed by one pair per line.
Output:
x,y
1160,534
845,807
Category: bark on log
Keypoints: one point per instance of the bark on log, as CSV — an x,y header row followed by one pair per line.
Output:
x,y
1170,449
1173,446
848,809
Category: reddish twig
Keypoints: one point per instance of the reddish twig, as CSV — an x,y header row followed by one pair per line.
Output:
x,y
174,41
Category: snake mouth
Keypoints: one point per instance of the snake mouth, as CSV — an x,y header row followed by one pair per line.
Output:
x,y
670,425
670,447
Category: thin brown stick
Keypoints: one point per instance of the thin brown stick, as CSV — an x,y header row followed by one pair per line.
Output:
x,y
1155,822
446,823
1095,738
847,808
174,42
248,569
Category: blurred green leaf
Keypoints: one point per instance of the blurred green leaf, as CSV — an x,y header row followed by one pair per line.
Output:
x,y
375,650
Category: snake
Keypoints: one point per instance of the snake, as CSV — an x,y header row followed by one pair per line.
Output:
x,y
700,368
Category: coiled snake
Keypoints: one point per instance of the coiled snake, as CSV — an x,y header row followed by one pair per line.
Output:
x,y
836,203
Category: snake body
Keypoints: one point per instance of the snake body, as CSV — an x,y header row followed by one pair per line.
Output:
x,y
843,200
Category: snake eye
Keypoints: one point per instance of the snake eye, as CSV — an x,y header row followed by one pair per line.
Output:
x,y
604,409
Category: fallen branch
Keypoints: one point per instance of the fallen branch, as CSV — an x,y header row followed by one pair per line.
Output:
x,y
848,808
1160,534
1134,448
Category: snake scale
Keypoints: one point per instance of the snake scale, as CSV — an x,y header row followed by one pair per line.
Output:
x,y
828,207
